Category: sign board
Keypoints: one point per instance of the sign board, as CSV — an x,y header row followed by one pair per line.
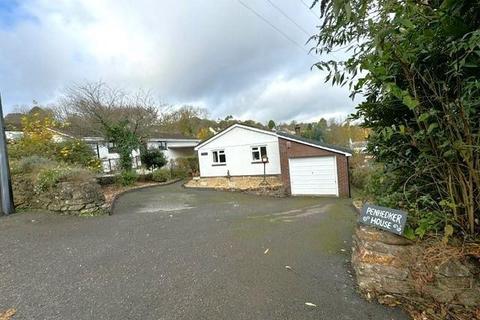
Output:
x,y
390,220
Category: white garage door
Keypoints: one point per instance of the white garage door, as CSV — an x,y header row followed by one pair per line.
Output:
x,y
313,176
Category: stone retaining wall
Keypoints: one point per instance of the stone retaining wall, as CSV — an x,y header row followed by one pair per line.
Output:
x,y
70,198
243,183
386,265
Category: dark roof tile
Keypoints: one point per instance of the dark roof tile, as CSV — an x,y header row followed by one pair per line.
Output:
x,y
314,142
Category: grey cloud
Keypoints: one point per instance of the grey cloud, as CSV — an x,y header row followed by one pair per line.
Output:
x,y
217,54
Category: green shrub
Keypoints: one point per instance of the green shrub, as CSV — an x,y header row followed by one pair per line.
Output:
x,y
74,152
382,189
161,175
127,177
145,177
178,173
360,170
49,177
77,152
26,148
184,167
30,164
360,175
153,159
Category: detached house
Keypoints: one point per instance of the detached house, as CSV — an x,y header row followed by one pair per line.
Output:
x,y
302,166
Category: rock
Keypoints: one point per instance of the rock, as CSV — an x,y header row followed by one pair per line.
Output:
x,y
367,256
76,207
54,207
382,247
388,300
74,202
381,271
454,268
90,210
470,298
454,283
440,295
396,286
374,235
90,205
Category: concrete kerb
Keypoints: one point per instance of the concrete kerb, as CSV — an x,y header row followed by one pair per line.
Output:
x,y
112,206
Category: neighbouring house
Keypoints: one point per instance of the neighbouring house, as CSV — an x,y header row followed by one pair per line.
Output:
x,y
302,166
358,146
12,135
174,146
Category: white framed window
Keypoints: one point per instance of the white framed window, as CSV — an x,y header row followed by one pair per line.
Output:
x,y
162,145
112,148
258,152
219,157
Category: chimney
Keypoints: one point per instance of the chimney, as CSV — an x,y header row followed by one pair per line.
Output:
x,y
297,129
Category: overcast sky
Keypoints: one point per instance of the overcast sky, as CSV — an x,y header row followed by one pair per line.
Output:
x,y
214,54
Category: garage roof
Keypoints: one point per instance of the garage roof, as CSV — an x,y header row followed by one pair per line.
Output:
x,y
314,143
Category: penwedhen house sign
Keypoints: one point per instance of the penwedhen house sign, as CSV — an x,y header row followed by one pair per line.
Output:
x,y
391,220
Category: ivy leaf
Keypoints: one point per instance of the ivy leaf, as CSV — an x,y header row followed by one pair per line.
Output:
x,y
432,127
410,102
424,116
409,233
449,153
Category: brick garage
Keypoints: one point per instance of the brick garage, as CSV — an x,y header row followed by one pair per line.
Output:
x,y
290,149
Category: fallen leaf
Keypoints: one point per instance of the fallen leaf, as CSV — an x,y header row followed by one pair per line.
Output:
x,y
266,251
7,314
310,304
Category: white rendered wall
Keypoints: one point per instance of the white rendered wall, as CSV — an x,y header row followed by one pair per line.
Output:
x,y
175,149
237,144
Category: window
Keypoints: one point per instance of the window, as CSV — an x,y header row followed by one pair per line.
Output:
x,y
219,157
162,145
258,153
112,148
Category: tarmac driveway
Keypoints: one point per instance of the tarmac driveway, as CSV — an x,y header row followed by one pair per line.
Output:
x,y
174,253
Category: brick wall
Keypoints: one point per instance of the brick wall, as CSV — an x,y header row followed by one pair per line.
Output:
x,y
290,149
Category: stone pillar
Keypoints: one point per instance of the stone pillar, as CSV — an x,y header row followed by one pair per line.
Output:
x,y
380,260
389,265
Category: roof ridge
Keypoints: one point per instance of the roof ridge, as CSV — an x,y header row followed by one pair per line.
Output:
x,y
314,142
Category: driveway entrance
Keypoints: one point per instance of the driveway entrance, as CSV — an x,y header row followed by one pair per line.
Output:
x,y
174,253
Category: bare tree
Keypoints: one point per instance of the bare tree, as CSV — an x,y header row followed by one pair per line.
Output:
x,y
122,118
99,106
